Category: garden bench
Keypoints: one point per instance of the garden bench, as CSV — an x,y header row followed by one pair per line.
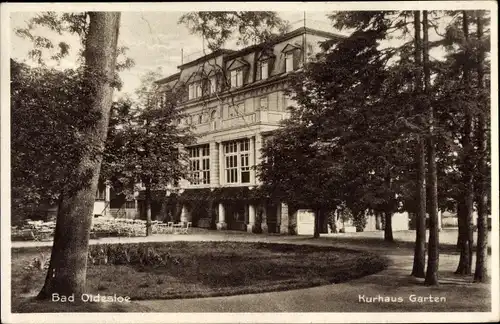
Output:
x,y
162,227
184,230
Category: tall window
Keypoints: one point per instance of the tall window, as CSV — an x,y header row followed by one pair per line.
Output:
x,y
213,84
264,69
199,164
236,78
199,92
195,90
191,91
237,162
289,61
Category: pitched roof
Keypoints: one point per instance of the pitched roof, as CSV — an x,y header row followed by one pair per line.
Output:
x,y
232,54
169,78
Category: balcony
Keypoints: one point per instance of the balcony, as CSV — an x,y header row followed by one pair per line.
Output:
x,y
262,116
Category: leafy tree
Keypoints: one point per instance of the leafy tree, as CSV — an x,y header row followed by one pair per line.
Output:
x,y
340,135
98,32
459,105
483,134
217,27
431,275
289,156
45,142
383,140
144,145
418,269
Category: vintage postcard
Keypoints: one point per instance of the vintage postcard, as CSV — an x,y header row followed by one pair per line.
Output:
x,y
254,162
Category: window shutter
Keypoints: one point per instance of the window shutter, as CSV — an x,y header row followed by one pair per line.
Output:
x,y
259,75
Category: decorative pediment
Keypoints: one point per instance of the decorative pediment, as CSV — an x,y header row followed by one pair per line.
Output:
x,y
195,76
265,55
213,72
290,47
237,63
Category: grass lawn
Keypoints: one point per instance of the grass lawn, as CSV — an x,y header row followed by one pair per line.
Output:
x,y
202,269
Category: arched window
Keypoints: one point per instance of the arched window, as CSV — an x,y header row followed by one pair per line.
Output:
x,y
200,118
213,114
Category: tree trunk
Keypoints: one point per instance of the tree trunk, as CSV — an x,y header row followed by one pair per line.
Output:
x,y
467,195
431,277
461,224
463,241
419,253
388,227
481,273
317,224
68,263
147,202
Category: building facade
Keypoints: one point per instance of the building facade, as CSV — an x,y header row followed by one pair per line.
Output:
x,y
232,100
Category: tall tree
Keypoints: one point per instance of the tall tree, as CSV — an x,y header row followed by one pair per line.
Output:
x,y
45,143
419,255
346,112
217,27
467,201
481,273
68,265
431,276
144,146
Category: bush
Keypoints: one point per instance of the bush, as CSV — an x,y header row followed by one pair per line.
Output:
x,y
359,221
26,230
117,228
116,254
128,254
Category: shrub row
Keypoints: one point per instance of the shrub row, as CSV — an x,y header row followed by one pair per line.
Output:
x,y
143,254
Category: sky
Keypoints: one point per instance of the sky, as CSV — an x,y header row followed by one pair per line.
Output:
x,y
154,39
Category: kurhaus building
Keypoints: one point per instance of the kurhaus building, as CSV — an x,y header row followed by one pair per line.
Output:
x,y
233,100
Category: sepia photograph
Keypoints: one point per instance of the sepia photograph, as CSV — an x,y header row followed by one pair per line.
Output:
x,y
249,162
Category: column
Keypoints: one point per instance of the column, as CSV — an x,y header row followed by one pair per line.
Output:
x,y
214,165
283,218
251,218
263,220
136,207
251,158
185,214
221,164
221,224
258,155
107,200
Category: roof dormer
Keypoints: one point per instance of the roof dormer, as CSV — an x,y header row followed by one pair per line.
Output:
x,y
292,57
290,47
237,63
265,64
